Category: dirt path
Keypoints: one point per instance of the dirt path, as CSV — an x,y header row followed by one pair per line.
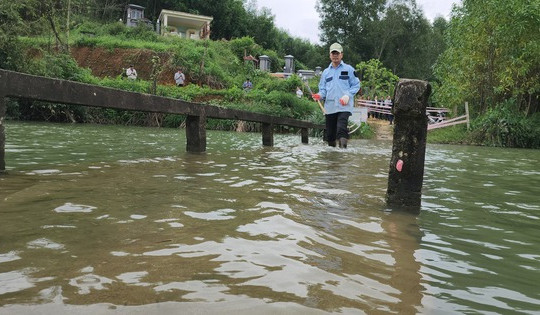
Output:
x,y
383,130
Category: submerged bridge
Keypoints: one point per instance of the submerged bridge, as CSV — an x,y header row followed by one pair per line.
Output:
x,y
406,167
19,85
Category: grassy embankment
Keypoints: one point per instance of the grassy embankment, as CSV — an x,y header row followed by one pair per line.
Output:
x,y
214,69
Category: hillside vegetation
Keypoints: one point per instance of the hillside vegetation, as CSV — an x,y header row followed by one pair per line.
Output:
x,y
214,72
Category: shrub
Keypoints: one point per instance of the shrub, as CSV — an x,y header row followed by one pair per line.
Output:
x,y
61,66
114,29
364,132
506,126
141,32
11,53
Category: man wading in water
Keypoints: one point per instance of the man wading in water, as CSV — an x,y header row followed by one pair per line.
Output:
x,y
337,88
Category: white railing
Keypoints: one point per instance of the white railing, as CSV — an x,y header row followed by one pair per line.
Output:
x,y
439,121
376,106
437,116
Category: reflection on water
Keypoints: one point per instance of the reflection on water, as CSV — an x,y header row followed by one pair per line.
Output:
x,y
103,218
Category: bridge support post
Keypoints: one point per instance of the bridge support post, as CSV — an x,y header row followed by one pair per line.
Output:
x,y
2,134
304,132
196,134
268,134
406,172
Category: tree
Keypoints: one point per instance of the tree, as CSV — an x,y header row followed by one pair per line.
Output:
x,y
260,26
395,32
376,79
493,55
351,23
404,41
12,25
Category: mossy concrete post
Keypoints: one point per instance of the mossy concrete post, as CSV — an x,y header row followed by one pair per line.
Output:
x,y
196,134
2,134
268,134
304,133
406,172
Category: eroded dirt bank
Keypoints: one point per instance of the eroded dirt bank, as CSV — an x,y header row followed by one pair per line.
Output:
x,y
111,62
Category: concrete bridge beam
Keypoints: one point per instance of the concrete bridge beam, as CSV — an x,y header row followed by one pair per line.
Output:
x,y
21,85
2,133
268,134
196,134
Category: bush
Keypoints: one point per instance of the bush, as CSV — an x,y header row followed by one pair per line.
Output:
x,y
207,62
141,32
61,66
364,132
505,126
11,53
114,29
245,45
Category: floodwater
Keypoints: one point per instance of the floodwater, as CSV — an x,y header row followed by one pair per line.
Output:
x,y
112,219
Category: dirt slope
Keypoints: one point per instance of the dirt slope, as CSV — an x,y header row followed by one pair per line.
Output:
x,y
110,62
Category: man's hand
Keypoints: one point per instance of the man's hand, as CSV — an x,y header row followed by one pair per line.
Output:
x,y
316,96
344,100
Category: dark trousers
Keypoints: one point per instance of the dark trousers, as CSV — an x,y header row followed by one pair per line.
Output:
x,y
336,126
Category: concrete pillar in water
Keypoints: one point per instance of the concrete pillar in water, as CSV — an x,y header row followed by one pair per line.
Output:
x,y
304,133
196,134
268,134
406,173
2,134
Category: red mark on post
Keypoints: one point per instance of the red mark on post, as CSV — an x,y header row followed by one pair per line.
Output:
x,y
399,165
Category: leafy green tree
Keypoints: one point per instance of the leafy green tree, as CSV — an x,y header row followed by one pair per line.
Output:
x,y
403,43
103,10
260,26
11,56
493,55
351,23
395,32
376,79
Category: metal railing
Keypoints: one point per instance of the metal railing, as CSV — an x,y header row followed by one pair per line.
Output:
x,y
437,116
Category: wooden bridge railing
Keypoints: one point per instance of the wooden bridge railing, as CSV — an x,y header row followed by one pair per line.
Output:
x,y
19,85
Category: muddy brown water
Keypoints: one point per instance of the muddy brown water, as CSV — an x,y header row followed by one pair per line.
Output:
x,y
109,219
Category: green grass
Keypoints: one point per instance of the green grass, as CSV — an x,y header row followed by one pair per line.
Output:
x,y
457,134
105,41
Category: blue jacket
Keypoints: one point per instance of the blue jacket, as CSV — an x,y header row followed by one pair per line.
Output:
x,y
336,82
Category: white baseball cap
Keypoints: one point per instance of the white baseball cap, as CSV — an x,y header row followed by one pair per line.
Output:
x,y
336,47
